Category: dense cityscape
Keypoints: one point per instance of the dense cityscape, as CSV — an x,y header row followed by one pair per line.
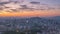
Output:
x,y
33,25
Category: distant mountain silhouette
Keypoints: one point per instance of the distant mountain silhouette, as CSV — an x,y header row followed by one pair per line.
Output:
x,y
35,18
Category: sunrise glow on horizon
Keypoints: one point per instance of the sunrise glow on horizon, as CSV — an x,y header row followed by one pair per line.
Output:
x,y
31,13
29,8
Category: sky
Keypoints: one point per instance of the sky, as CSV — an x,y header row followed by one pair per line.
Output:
x,y
29,8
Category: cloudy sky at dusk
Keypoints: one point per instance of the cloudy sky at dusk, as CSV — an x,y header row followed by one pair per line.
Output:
x,y
29,8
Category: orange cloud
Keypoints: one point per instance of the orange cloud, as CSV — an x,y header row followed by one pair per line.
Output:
x,y
31,13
